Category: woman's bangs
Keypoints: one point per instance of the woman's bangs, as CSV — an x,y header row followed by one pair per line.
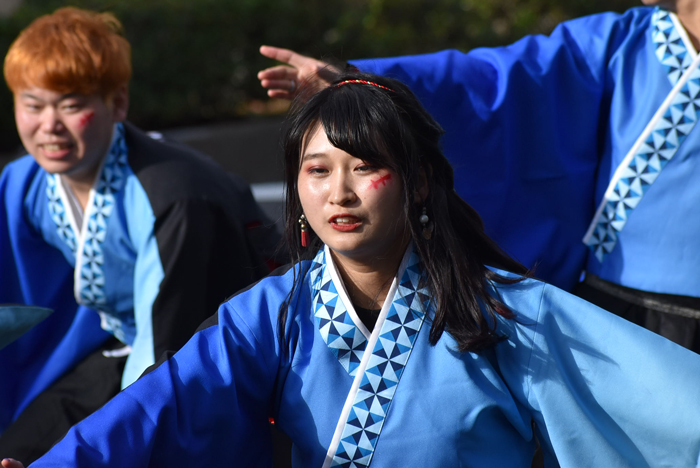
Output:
x,y
354,123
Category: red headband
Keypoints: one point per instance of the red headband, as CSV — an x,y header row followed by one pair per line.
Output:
x,y
364,82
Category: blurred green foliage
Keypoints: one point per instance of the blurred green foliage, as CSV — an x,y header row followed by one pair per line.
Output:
x,y
195,61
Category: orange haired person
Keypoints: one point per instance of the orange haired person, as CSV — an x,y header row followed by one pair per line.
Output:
x,y
131,241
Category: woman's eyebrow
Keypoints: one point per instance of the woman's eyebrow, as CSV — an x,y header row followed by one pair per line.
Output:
x,y
309,156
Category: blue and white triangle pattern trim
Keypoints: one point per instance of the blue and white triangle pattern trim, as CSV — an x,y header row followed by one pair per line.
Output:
x,y
384,370
112,179
333,321
58,212
637,173
670,48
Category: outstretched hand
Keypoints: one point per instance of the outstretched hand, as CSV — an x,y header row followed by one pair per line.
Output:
x,y
11,463
283,81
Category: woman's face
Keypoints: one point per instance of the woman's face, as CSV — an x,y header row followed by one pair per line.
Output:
x,y
355,208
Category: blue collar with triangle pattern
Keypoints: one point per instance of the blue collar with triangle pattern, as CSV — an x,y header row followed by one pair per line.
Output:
x,y
660,140
376,374
86,241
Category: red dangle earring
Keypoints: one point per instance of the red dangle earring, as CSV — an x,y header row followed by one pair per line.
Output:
x,y
304,231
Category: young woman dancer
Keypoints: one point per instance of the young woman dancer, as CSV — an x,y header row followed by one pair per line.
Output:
x,y
401,335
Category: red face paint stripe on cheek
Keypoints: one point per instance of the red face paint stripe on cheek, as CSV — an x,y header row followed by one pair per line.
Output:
x,y
382,180
86,119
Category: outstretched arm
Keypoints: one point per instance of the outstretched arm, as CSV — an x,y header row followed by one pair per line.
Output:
x,y
207,405
283,81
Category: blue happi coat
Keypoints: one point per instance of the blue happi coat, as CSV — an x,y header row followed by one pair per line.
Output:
x,y
602,391
144,264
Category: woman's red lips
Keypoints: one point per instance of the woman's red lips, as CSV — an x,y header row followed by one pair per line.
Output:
x,y
344,222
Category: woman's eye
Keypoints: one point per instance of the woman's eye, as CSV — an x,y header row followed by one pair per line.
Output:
x,y
366,168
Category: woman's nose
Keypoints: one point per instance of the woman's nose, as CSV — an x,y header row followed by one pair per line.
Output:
x,y
342,191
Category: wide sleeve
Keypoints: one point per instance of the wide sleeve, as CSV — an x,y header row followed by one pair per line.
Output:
x,y
523,132
602,391
208,405
45,352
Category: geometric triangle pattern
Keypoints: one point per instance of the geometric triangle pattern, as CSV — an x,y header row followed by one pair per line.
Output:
x,y
670,48
58,212
384,369
111,180
333,321
632,182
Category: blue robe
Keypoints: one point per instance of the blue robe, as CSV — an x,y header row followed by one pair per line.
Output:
x,y
537,131
135,268
601,391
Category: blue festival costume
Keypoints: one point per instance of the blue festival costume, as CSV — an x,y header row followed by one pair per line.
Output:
x,y
602,391
564,137
163,241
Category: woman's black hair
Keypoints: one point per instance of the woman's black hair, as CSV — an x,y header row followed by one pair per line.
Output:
x,y
379,120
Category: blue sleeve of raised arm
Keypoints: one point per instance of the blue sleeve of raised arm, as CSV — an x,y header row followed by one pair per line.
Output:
x,y
523,132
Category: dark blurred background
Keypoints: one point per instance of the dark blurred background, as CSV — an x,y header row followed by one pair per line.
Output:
x,y
195,61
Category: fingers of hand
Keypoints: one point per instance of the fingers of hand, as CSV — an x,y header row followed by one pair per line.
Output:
x,y
11,463
269,51
282,55
278,94
285,85
280,72
289,57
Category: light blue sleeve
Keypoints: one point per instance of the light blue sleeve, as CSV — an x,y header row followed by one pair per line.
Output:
x,y
523,131
148,276
603,391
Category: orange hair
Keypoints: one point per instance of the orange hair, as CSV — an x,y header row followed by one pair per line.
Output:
x,y
70,51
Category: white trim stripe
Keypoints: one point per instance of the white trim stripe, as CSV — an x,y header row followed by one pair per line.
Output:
x,y
350,400
380,370
657,144
690,48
